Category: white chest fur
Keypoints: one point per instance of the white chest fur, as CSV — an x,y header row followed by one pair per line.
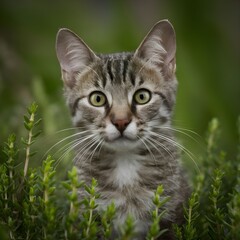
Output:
x,y
126,170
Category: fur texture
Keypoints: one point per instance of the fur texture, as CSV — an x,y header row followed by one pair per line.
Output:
x,y
126,144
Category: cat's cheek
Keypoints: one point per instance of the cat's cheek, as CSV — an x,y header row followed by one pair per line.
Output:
x,y
131,131
76,118
111,132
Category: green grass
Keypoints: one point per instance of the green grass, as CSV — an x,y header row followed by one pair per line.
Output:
x,y
35,204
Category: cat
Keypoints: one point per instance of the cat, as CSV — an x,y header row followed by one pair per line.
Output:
x,y
122,104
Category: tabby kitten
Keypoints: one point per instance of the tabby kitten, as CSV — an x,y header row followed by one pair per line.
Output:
x,y
122,104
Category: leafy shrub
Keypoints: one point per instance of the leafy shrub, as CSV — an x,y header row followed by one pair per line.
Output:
x,y
34,204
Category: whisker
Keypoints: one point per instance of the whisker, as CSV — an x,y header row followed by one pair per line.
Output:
x,y
95,149
83,147
189,154
64,139
181,130
101,147
149,150
66,147
69,129
174,127
161,145
149,139
76,143
84,150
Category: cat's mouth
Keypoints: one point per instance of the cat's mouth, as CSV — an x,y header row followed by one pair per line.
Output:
x,y
122,143
120,139
126,138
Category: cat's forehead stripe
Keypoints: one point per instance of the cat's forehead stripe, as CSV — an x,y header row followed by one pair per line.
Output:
x,y
109,69
141,82
125,68
103,79
132,78
116,68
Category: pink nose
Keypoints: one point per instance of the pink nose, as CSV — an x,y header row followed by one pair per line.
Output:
x,y
121,124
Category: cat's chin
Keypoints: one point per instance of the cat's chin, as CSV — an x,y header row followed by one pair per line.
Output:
x,y
122,143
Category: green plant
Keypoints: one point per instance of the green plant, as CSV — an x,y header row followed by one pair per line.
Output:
x,y
158,201
29,198
213,208
35,204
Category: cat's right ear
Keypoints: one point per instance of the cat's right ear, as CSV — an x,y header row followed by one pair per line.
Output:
x,y
159,48
73,55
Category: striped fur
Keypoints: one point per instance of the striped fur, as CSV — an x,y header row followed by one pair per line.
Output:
x,y
128,162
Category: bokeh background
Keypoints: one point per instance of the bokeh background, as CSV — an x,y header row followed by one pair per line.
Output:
x,y
208,57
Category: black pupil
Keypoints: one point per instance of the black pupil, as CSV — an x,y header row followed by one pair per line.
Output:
x,y
141,96
98,98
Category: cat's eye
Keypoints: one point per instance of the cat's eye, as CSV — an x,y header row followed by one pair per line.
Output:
x,y
142,96
97,99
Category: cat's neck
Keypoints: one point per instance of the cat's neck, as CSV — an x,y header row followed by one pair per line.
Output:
x,y
127,167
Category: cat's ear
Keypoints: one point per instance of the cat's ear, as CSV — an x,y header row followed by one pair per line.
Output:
x,y
73,55
159,47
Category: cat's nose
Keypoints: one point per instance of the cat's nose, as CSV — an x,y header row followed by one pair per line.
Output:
x,y
121,124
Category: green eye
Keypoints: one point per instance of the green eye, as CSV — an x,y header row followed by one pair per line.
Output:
x,y
142,96
97,99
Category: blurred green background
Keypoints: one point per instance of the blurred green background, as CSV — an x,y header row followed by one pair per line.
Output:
x,y
208,56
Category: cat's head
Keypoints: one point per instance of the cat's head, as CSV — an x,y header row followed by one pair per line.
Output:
x,y
120,96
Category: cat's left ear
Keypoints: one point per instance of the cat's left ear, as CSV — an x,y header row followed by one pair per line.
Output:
x,y
158,48
73,55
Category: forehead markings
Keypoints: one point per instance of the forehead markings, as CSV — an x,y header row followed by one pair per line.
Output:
x,y
97,83
116,69
125,68
103,78
109,70
132,78
135,76
141,82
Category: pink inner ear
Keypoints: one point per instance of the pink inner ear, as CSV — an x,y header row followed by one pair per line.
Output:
x,y
169,43
159,46
73,54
